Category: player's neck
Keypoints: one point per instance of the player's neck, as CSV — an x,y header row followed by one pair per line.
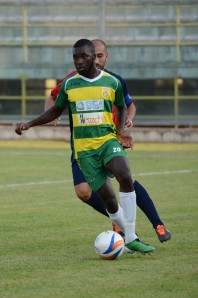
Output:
x,y
93,74
92,78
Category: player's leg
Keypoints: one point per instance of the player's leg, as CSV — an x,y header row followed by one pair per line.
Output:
x,y
96,176
146,204
118,166
84,192
86,195
107,194
116,163
128,201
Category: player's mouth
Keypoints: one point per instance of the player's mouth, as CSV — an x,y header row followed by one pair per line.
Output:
x,y
80,68
98,66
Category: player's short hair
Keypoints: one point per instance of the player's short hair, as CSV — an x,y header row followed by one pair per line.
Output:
x,y
101,41
84,42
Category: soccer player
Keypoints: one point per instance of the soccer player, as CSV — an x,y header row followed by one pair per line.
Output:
x,y
97,143
82,189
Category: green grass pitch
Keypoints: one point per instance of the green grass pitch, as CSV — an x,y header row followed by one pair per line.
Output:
x,y
47,234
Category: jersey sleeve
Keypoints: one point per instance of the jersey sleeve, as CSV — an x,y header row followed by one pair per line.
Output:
x,y
62,98
127,97
119,96
55,91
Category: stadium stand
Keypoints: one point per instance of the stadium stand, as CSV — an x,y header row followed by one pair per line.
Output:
x,y
148,41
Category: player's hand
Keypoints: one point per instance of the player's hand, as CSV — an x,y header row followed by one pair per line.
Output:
x,y
129,124
20,127
55,121
126,140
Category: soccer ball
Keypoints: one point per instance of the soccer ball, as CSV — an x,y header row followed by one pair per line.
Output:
x,y
109,245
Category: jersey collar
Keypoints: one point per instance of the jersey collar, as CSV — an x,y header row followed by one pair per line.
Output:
x,y
94,79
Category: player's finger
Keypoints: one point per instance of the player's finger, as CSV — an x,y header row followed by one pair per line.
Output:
x,y
129,124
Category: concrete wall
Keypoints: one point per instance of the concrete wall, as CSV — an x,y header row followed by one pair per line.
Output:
x,y
167,135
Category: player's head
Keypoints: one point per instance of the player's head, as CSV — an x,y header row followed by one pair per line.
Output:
x,y
84,56
101,54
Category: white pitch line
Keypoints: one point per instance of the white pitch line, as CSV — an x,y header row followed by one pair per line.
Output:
x,y
166,172
70,180
33,183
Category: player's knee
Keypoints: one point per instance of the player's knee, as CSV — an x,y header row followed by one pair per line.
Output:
x,y
83,192
83,196
126,183
125,178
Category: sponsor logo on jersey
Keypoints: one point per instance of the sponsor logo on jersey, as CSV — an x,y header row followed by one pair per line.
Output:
x,y
88,105
90,118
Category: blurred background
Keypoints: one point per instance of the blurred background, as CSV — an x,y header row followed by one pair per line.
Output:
x,y
152,44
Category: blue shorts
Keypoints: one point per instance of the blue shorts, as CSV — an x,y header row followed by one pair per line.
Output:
x,y
78,176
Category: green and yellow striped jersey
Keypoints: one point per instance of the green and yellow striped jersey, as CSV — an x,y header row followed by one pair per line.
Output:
x,y
90,102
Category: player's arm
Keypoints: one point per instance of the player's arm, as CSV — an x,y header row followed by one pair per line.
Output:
x,y
46,117
50,101
121,111
131,109
53,113
121,108
54,93
124,138
131,112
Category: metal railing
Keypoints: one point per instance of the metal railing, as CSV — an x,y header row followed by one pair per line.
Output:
x,y
102,22
101,25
